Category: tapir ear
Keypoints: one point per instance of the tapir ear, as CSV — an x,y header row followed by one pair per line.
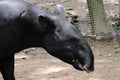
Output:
x,y
43,20
59,9
46,23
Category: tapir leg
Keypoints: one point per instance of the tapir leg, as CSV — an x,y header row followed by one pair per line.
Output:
x,y
7,68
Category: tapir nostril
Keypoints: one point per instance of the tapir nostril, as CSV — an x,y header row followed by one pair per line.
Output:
x,y
88,69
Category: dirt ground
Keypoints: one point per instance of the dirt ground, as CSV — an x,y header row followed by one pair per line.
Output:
x,y
36,64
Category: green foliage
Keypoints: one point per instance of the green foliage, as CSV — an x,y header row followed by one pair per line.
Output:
x,y
49,10
68,6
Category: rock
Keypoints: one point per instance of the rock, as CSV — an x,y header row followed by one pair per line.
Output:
x,y
99,38
71,12
62,1
109,55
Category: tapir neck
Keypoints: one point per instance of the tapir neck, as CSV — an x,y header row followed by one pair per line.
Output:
x,y
32,27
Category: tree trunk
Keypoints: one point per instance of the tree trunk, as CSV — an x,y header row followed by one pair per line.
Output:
x,y
98,21
119,8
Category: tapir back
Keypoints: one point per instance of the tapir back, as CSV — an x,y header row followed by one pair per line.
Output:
x,y
19,25
11,28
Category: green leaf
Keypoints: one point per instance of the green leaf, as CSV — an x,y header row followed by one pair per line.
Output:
x,y
68,6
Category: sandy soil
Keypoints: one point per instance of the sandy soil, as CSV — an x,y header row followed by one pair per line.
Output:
x,y
36,64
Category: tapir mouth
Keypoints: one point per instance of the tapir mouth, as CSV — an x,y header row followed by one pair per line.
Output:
x,y
80,66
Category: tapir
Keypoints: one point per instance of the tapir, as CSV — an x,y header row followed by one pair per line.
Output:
x,y
24,25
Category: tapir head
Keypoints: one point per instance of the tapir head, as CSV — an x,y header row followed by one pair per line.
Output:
x,y
64,41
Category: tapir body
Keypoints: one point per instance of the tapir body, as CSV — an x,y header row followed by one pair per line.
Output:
x,y
23,25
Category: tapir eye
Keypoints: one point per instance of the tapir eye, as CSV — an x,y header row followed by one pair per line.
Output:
x,y
74,40
82,47
70,43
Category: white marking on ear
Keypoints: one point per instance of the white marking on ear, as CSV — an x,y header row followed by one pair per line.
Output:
x,y
59,9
